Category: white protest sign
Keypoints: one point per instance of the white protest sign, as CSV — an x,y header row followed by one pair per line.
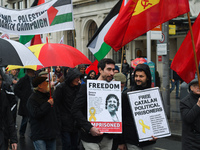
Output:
x,y
148,113
104,105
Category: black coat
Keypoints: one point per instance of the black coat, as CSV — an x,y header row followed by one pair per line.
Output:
x,y
79,112
43,121
23,90
129,133
125,68
7,124
190,113
64,97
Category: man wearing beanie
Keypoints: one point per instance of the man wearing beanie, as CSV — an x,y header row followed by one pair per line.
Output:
x,y
190,114
120,77
42,113
129,138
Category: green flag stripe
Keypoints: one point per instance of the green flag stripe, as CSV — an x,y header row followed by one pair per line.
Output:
x,y
25,38
103,51
62,19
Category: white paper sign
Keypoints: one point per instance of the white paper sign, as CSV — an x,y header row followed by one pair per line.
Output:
x,y
162,49
148,113
104,105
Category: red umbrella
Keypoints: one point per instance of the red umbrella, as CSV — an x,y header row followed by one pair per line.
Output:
x,y
137,61
56,54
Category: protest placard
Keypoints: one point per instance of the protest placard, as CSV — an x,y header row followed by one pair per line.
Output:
x,y
148,113
104,105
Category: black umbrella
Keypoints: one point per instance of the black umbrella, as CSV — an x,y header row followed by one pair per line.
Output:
x,y
15,53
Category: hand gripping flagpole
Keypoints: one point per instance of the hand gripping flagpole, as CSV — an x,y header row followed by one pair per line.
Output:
x,y
193,45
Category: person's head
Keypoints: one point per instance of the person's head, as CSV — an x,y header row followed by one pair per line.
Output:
x,y
43,74
41,84
194,86
30,72
125,61
142,76
91,75
112,103
13,72
116,69
106,68
120,77
73,77
58,69
81,68
54,77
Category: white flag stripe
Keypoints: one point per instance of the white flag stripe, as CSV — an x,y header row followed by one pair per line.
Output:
x,y
23,52
103,32
64,9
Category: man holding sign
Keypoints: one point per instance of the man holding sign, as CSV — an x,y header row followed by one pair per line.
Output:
x,y
91,137
142,80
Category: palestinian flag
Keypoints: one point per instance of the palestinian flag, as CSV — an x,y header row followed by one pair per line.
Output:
x,y
29,40
97,45
64,17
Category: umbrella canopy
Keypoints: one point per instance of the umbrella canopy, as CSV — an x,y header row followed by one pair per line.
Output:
x,y
137,61
55,54
15,53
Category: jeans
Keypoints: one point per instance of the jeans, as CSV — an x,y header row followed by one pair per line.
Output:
x,y
45,144
23,125
175,83
69,140
104,144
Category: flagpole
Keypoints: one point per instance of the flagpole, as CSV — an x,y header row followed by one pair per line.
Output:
x,y
122,58
193,45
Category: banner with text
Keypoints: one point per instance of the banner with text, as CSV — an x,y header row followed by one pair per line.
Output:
x,y
104,105
148,113
53,16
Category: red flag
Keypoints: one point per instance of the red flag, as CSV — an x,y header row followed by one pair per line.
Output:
x,y
93,66
184,63
37,38
131,23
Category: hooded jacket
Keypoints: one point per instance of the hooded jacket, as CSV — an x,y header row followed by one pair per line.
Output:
x,y
129,134
64,96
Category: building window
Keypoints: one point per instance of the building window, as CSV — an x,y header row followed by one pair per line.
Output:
x,y
19,5
91,31
25,4
117,56
14,5
70,38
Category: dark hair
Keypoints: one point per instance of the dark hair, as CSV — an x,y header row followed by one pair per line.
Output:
x,y
110,96
102,63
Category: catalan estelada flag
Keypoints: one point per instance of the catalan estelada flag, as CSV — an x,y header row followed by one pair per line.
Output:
x,y
133,21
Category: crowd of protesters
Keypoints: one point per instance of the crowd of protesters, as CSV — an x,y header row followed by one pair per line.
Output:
x,y
60,111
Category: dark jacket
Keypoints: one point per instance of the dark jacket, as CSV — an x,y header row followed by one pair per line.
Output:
x,y
129,133
190,114
7,125
64,97
125,68
44,125
79,111
23,90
